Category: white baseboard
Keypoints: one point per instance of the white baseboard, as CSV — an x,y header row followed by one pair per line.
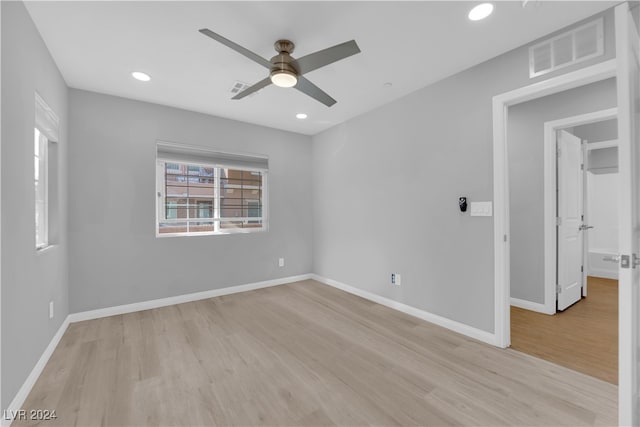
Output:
x,y
605,274
21,396
458,327
179,299
528,305
24,391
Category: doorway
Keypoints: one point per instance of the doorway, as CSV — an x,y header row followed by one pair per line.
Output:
x,y
577,331
581,219
626,68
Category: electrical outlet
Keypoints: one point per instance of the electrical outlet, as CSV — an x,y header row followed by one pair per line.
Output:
x,y
395,279
281,262
50,309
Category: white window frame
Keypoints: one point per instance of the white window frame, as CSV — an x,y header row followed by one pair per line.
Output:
x,y
47,124
216,219
41,180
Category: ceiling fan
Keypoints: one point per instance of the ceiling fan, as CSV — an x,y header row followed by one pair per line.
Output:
x,y
286,71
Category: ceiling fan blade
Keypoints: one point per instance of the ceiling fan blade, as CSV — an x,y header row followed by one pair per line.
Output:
x,y
308,88
252,89
327,56
241,50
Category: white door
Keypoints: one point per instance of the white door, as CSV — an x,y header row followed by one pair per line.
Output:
x,y
570,209
585,220
628,58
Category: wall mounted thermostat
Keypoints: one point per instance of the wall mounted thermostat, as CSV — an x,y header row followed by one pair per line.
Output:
x,y
462,202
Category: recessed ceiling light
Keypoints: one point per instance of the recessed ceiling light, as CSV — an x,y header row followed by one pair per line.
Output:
x,y
481,11
143,77
301,116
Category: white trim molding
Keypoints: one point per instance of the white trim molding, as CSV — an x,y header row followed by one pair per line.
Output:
x,y
501,103
452,325
533,306
602,144
24,391
550,188
179,299
16,404
603,274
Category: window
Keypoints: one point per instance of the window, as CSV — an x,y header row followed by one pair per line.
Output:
x,y
44,172
204,192
41,186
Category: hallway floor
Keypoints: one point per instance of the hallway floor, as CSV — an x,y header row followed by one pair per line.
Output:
x,y
584,337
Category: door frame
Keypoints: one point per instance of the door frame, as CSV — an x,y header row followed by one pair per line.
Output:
x,y
628,53
502,301
613,143
550,202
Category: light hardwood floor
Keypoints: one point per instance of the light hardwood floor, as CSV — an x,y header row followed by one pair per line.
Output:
x,y
302,354
584,337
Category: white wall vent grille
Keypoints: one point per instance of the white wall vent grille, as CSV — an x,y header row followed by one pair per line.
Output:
x,y
577,45
238,87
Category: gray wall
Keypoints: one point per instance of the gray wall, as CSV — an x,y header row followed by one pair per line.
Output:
x,y
386,187
526,177
116,257
29,280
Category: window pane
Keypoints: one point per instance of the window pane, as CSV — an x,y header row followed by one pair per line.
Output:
x,y
40,159
36,143
174,227
196,197
229,225
172,209
254,210
205,209
251,195
253,224
176,190
201,226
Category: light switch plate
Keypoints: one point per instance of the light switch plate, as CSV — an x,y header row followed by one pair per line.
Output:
x,y
481,209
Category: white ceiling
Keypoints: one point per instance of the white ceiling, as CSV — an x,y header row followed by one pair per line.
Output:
x,y
96,45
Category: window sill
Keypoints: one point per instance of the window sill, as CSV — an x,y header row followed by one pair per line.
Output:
x,y
211,233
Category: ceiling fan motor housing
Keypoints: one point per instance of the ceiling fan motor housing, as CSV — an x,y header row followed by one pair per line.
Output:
x,y
283,62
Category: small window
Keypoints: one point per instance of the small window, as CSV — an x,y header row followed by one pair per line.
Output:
x,y
45,135
199,194
40,171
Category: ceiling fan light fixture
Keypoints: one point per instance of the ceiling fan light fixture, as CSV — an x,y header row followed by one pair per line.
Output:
x,y
284,78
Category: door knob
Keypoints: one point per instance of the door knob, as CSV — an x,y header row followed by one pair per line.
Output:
x,y
585,227
612,258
